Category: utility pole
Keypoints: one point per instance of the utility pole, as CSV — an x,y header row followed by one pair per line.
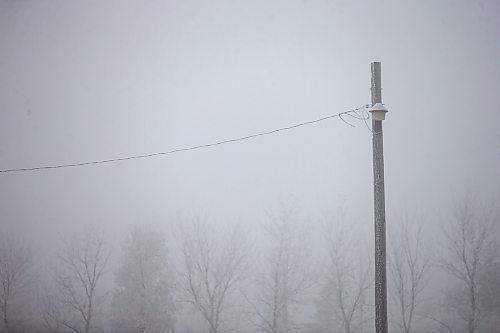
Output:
x,y
379,202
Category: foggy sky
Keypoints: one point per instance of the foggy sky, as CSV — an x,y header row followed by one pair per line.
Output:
x,y
90,80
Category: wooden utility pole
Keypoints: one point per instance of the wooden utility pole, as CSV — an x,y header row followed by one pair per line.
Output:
x,y
379,202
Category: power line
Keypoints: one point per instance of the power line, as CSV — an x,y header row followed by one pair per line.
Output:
x,y
355,113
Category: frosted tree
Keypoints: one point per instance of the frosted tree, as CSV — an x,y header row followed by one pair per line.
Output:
x,y
77,276
489,281
409,264
143,301
214,263
470,234
286,274
347,279
16,261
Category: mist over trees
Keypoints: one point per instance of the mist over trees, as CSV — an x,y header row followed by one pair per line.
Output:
x,y
143,299
212,269
287,274
470,237
77,299
409,268
16,269
343,304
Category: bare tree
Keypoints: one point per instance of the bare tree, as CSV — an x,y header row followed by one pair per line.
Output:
x,y
348,278
143,300
469,236
52,314
409,267
214,263
80,267
489,280
287,274
16,261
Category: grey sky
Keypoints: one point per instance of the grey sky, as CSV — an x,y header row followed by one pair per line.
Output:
x,y
89,80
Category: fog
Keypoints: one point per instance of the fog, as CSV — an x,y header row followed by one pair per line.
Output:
x,y
91,80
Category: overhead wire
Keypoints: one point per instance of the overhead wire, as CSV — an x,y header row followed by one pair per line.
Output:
x,y
357,113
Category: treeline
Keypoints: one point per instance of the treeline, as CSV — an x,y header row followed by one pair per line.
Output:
x,y
295,274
